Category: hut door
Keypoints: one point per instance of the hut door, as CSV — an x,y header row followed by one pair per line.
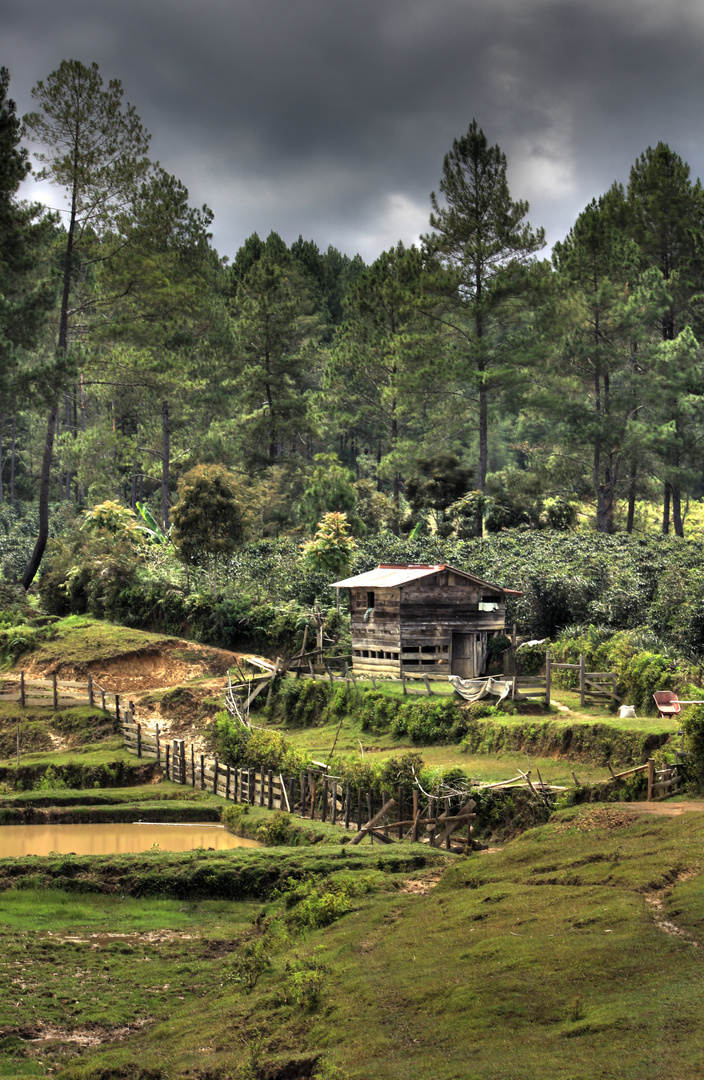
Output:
x,y
463,655
468,655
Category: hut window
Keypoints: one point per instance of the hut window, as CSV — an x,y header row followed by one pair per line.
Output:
x,y
489,603
370,599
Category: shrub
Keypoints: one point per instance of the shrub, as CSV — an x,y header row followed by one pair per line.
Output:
x,y
694,735
271,750
276,830
303,983
232,816
231,739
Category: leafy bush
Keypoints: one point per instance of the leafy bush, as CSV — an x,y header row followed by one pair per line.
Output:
x,y
50,781
231,739
312,905
232,816
303,983
428,722
276,830
694,736
530,657
271,750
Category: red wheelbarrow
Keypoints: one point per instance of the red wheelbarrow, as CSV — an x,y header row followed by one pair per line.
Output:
x,y
669,704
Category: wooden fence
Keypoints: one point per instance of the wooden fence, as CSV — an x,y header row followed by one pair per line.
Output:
x,y
594,686
311,794
58,693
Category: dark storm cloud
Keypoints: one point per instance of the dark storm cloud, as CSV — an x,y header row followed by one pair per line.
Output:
x,y
332,119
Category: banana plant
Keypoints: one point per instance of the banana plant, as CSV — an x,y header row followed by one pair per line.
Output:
x,y
151,526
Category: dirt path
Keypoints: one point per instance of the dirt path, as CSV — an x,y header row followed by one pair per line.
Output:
x,y
667,809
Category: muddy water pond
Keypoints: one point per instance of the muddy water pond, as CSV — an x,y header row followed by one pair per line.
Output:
x,y
114,839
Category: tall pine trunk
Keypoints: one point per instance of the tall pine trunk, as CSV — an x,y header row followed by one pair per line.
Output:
x,y
36,557
631,495
666,509
62,347
12,462
165,460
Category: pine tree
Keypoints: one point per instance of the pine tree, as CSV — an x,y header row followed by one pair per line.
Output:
x,y
95,149
595,401
480,231
27,286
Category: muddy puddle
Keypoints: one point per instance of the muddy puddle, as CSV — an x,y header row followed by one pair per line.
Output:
x,y
114,839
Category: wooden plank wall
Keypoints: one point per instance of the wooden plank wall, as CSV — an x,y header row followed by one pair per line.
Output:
x,y
413,625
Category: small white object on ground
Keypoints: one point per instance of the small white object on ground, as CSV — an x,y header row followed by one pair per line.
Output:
x,y
627,712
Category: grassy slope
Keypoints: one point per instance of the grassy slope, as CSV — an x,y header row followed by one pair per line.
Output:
x,y
547,958
81,639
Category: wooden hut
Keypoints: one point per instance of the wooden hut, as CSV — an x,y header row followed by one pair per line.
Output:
x,y
420,619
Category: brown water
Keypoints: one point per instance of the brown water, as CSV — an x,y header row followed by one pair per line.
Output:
x,y
114,839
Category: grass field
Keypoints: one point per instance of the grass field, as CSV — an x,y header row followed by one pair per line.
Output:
x,y
575,952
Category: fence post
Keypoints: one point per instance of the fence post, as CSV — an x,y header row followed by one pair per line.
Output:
x,y
582,680
215,776
651,778
23,700
117,707
193,767
139,740
334,802
324,814
403,680
291,793
359,809
251,786
313,783
227,783
548,677
56,695
102,700
158,749
184,777
270,791
261,788
90,690
415,815
168,748
303,794
202,772
347,806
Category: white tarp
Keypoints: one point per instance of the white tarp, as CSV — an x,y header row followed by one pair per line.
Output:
x,y
475,689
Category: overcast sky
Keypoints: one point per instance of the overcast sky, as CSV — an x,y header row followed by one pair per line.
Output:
x,y
331,118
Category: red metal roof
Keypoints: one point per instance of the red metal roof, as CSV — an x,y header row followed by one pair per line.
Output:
x,y
392,575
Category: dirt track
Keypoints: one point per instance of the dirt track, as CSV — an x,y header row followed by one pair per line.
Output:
x,y
668,809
